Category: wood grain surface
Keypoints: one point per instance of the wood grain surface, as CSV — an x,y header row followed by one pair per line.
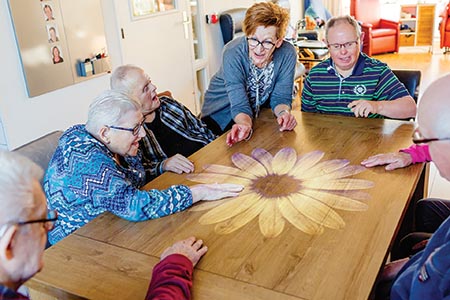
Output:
x,y
111,258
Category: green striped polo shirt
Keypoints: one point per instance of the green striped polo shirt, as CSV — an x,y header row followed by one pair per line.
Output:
x,y
326,91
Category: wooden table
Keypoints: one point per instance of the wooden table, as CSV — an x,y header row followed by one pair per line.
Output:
x,y
111,258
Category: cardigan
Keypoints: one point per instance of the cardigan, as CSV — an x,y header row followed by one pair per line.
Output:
x,y
227,94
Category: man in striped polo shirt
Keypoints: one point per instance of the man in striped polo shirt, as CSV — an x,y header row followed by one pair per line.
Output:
x,y
351,83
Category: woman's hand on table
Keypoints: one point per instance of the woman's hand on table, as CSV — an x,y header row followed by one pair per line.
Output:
x,y
178,164
239,132
286,120
214,191
392,160
192,248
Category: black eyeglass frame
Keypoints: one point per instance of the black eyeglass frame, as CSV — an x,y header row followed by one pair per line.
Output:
x,y
418,139
53,219
347,45
260,43
135,130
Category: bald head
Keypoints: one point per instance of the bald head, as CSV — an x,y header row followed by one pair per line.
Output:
x,y
434,122
125,77
434,109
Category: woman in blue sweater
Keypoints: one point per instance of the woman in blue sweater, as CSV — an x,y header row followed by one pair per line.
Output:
x,y
257,71
97,168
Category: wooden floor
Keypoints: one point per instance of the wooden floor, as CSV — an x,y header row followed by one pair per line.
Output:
x,y
432,65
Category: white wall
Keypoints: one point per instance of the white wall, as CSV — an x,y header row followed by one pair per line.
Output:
x,y
214,40
25,119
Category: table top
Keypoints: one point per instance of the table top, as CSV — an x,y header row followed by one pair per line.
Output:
x,y
310,224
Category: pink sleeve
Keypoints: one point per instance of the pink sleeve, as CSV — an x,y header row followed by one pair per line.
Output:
x,y
419,153
171,279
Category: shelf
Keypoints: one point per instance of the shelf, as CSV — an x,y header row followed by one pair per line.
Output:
x,y
419,18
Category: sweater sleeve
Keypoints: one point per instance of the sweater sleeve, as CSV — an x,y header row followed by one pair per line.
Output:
x,y
171,279
419,153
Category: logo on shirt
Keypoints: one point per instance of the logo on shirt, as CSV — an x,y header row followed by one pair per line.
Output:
x,y
360,89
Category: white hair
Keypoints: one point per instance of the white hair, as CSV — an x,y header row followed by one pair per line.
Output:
x,y
122,80
108,108
18,178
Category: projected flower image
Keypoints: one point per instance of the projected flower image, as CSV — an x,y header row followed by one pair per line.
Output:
x,y
302,190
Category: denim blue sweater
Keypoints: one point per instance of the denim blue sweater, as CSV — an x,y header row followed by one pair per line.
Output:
x,y
427,274
82,181
227,92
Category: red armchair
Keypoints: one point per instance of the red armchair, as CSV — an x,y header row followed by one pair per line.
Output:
x,y
444,29
380,35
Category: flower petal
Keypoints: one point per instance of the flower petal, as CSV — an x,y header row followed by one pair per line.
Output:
x,y
307,160
338,184
205,205
217,178
355,195
297,219
321,169
271,222
317,211
240,220
343,172
229,209
264,157
227,170
248,164
335,201
284,160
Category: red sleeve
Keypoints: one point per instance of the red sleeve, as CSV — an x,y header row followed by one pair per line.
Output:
x,y
171,279
419,153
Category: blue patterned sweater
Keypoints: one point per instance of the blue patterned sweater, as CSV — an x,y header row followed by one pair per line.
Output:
x,y
83,180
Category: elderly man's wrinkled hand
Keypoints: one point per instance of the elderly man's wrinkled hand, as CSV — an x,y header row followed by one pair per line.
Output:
x,y
362,108
392,160
286,121
192,248
215,191
238,133
178,164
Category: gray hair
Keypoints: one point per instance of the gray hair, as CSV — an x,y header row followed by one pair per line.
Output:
x,y
108,108
342,19
18,178
121,79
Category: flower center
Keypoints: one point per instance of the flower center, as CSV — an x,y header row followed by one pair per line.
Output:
x,y
274,186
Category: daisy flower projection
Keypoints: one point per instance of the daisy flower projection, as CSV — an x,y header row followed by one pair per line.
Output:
x,y
302,190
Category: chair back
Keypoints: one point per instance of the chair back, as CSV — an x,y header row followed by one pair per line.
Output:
x,y
231,23
367,11
41,150
411,80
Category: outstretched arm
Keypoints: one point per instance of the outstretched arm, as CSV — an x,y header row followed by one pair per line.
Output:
x,y
172,276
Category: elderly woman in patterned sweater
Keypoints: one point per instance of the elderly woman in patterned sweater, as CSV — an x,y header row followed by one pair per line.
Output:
x,y
97,168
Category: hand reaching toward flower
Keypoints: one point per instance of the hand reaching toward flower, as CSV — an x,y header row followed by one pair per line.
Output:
x,y
214,191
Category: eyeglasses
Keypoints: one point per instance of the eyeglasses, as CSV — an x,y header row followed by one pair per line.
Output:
x,y
419,139
49,222
253,43
135,130
348,45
